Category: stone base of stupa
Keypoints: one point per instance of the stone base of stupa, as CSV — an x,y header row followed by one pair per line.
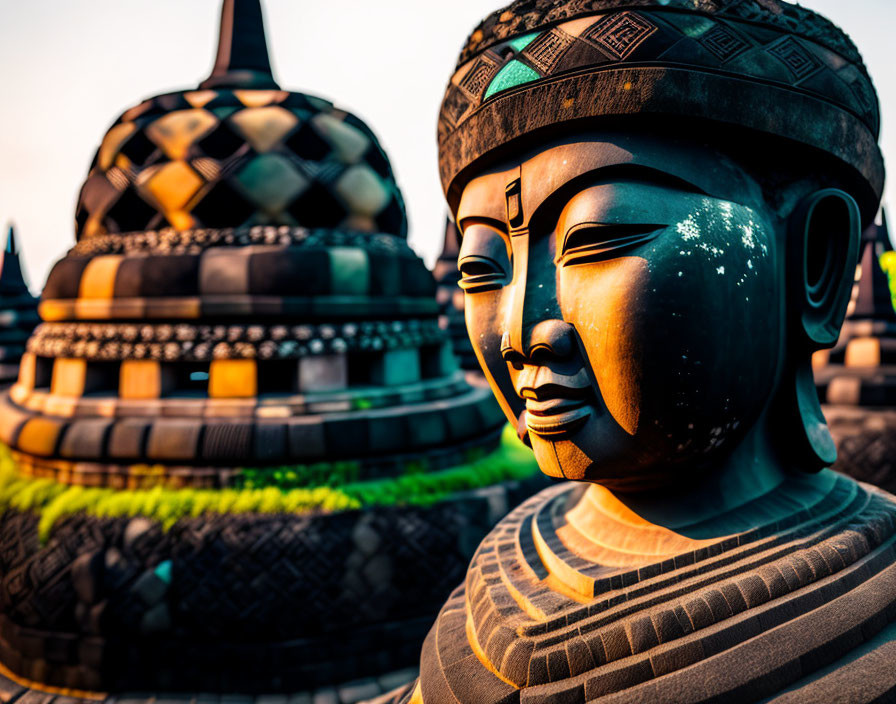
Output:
x,y
217,590
8,374
866,443
368,690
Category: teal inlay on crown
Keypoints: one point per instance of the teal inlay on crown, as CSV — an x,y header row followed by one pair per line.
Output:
x,y
513,74
521,43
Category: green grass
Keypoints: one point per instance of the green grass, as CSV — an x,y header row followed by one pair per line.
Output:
x,y
332,474
53,501
888,264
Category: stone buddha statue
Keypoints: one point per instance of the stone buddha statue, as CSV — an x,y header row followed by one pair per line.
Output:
x,y
661,205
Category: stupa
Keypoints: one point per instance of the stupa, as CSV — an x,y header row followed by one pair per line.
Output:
x,y
241,459
857,378
661,204
18,311
451,303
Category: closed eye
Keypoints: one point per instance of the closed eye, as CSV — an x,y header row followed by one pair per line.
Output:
x,y
484,260
591,241
479,266
480,273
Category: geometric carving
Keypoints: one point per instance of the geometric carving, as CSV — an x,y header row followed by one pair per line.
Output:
x,y
724,42
619,34
797,58
479,76
454,107
546,51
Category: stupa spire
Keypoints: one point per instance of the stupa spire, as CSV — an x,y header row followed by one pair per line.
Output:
x,y
11,278
242,60
883,232
11,245
874,300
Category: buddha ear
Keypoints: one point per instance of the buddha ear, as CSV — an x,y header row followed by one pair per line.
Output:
x,y
824,246
825,233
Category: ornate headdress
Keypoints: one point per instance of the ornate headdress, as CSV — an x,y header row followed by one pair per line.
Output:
x,y
764,65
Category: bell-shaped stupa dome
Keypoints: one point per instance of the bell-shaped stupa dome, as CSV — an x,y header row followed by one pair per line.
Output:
x,y
242,454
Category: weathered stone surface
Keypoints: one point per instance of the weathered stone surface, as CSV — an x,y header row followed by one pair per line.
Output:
x,y
866,444
648,329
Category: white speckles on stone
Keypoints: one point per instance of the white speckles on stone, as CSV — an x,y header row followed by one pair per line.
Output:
x,y
720,271
680,274
748,236
727,212
711,249
749,263
688,229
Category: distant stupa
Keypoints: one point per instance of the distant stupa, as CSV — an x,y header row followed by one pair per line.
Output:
x,y
856,379
451,303
18,310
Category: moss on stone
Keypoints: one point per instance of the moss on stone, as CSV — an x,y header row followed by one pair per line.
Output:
x,y
53,501
888,264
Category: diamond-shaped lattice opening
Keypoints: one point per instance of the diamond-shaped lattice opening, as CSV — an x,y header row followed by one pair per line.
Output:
x,y
138,148
297,101
221,143
265,127
98,194
223,206
362,190
307,144
81,218
317,207
377,161
177,131
357,123
129,213
391,219
173,185
271,181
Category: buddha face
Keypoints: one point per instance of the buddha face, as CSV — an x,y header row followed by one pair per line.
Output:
x,y
624,296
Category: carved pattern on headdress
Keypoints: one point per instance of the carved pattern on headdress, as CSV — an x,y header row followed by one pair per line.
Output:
x,y
546,51
724,42
619,35
527,15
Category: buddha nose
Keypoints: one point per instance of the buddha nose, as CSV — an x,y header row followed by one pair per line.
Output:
x,y
548,340
532,324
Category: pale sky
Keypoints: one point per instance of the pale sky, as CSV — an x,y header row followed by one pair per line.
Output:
x,y
70,67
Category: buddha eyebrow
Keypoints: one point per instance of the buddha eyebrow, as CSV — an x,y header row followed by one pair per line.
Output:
x,y
637,173
632,172
477,220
